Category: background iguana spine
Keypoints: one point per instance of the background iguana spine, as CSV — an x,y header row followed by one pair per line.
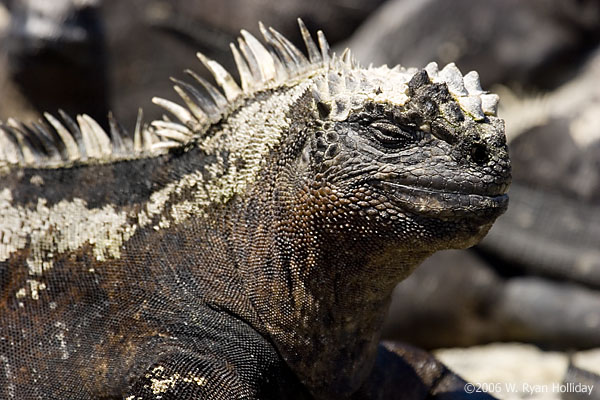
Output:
x,y
247,250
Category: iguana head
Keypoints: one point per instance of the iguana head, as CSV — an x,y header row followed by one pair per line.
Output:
x,y
416,154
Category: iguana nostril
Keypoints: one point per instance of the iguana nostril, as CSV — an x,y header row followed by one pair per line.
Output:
x,y
479,154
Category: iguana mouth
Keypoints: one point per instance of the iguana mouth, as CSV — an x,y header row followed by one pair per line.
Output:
x,y
444,203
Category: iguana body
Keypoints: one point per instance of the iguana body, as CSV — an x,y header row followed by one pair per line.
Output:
x,y
249,250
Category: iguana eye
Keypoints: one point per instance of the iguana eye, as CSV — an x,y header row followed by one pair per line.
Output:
x,y
390,134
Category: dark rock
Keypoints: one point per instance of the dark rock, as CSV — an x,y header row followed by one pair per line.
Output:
x,y
447,301
55,54
552,314
576,376
537,43
552,226
456,299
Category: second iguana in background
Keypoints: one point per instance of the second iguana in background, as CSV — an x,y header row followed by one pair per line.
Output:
x,y
247,248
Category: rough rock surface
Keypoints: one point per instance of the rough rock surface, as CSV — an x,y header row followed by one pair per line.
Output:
x,y
514,371
457,299
532,43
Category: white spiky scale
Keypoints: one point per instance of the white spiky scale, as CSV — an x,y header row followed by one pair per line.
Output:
x,y
245,76
299,58
149,139
489,103
280,49
472,84
100,136
71,148
75,131
180,112
280,70
281,56
160,124
392,89
214,93
89,141
314,55
337,84
349,88
40,128
452,77
321,91
223,78
196,110
27,154
352,82
8,147
346,57
171,132
209,110
324,46
263,58
121,141
252,63
466,90
137,132
165,145
432,70
472,105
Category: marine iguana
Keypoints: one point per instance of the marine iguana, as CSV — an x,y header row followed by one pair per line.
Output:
x,y
246,247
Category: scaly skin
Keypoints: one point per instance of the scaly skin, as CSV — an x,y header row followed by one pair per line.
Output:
x,y
254,258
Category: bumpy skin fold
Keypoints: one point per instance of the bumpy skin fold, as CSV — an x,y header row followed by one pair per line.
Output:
x,y
249,250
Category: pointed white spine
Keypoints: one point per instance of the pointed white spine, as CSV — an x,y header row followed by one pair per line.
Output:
x,y
324,47
197,112
299,59
100,135
243,69
137,133
262,57
222,77
178,111
314,55
8,147
71,147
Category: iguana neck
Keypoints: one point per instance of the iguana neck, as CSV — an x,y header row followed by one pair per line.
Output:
x,y
321,297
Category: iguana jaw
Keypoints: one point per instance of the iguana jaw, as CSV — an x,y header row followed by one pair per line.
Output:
x,y
438,203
